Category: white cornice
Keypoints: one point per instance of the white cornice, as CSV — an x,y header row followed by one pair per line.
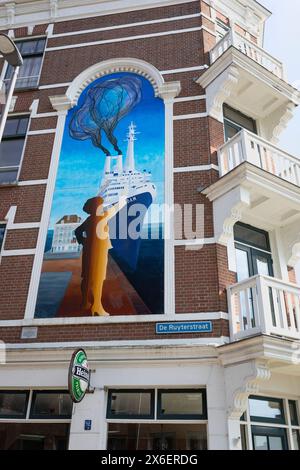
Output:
x,y
235,57
169,350
25,12
249,14
260,347
248,175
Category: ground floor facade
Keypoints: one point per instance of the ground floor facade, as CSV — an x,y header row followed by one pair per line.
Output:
x,y
171,397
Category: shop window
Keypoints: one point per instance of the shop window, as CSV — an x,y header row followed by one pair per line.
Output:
x,y
33,436
130,404
32,52
235,121
186,404
52,408
157,406
154,436
11,148
13,404
48,404
270,424
2,232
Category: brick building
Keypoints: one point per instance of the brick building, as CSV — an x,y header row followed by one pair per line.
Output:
x,y
201,345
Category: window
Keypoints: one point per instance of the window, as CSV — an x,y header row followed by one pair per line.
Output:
x,y
253,254
13,404
24,407
222,28
266,410
51,405
32,52
11,148
270,424
154,436
157,406
252,236
181,404
129,404
2,232
235,121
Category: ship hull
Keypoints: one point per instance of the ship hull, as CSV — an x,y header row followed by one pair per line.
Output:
x,y
125,229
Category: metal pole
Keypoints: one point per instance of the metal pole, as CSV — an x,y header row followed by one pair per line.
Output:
x,y
8,101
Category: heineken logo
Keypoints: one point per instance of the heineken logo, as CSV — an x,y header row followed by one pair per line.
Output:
x,y
79,375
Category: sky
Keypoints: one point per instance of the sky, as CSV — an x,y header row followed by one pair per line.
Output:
x,y
282,41
81,163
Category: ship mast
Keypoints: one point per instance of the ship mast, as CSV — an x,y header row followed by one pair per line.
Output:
x,y
130,163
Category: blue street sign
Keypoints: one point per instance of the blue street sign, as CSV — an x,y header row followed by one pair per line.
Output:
x,y
87,424
184,327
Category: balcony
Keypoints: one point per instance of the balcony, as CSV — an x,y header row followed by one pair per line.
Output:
x,y
249,79
251,50
264,305
248,147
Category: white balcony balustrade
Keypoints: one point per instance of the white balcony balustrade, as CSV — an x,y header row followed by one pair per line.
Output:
x,y
248,147
251,50
264,305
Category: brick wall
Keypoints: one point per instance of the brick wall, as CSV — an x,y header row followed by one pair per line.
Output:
x,y
201,276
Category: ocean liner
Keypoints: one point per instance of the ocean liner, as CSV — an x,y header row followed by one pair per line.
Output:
x,y
119,179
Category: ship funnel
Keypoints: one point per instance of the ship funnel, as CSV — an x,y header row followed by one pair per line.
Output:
x,y
119,164
130,163
107,165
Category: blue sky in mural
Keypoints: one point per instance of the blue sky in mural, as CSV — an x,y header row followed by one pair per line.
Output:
x,y
81,164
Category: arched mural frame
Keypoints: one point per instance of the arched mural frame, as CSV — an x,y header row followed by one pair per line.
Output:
x,y
167,91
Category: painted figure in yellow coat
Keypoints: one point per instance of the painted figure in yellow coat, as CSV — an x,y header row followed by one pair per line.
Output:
x,y
93,234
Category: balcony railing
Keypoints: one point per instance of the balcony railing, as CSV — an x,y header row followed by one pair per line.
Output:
x,y
250,49
248,147
264,305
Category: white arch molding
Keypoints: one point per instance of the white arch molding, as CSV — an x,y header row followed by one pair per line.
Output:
x,y
167,91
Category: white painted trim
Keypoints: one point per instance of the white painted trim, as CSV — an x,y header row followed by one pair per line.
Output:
x,y
188,169
55,85
35,322
38,12
164,72
32,182
185,69
126,25
209,341
62,103
38,259
44,115
42,131
196,242
181,117
34,111
24,226
125,39
18,252
100,69
190,98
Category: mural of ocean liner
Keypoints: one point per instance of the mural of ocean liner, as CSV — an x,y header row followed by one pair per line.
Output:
x,y
124,179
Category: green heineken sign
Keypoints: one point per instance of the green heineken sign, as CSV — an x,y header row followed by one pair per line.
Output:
x,y
79,375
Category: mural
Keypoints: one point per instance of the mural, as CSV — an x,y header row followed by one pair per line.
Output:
x,y
104,253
